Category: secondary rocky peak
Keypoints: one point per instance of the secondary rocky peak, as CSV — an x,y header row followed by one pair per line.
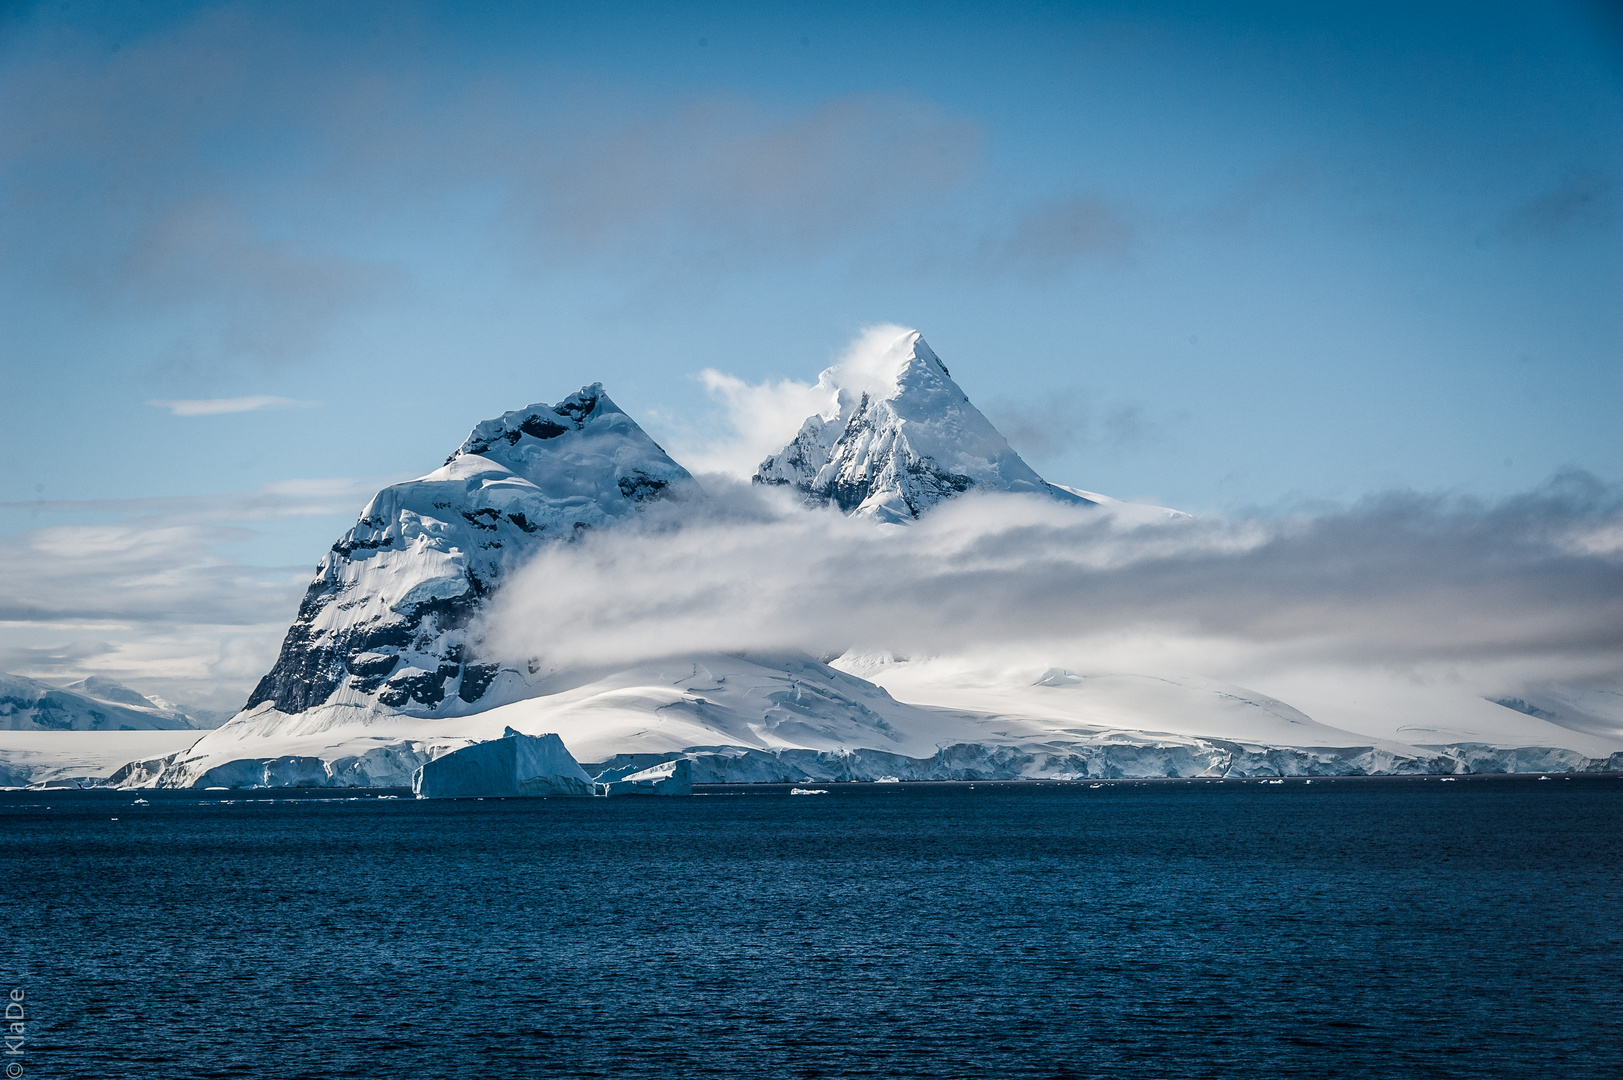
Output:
x,y
903,437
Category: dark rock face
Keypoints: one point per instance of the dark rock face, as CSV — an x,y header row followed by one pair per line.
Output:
x,y
315,662
537,423
476,679
306,671
541,428
425,688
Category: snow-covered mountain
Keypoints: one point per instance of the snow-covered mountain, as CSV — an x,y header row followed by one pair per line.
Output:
x,y
892,449
91,704
380,672
385,622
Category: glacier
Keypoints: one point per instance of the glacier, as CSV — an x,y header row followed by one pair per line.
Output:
x,y
383,681
78,733
789,718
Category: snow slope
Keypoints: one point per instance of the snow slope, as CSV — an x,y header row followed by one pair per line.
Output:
x,y
893,452
760,703
1304,708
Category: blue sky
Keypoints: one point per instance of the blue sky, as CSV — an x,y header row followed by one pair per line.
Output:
x,y
1222,257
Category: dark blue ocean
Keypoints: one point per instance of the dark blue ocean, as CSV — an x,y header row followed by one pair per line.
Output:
x,y
1386,927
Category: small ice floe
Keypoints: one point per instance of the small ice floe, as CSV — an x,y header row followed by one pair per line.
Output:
x,y
887,780
140,802
1092,786
1448,779
1544,778
808,791
1273,781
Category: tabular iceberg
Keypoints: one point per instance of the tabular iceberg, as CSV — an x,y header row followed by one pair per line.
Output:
x,y
513,766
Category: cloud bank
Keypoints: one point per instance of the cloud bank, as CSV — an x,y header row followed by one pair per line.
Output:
x,y
1493,596
1528,587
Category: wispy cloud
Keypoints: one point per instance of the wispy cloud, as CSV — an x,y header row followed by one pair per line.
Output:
x,y
757,419
293,498
162,606
220,406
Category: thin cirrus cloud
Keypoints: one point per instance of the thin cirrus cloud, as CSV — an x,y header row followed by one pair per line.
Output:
x,y
221,406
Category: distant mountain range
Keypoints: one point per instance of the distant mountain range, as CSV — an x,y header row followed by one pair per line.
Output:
x,y
92,704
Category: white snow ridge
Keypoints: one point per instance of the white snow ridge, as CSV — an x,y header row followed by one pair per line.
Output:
x,y
382,671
